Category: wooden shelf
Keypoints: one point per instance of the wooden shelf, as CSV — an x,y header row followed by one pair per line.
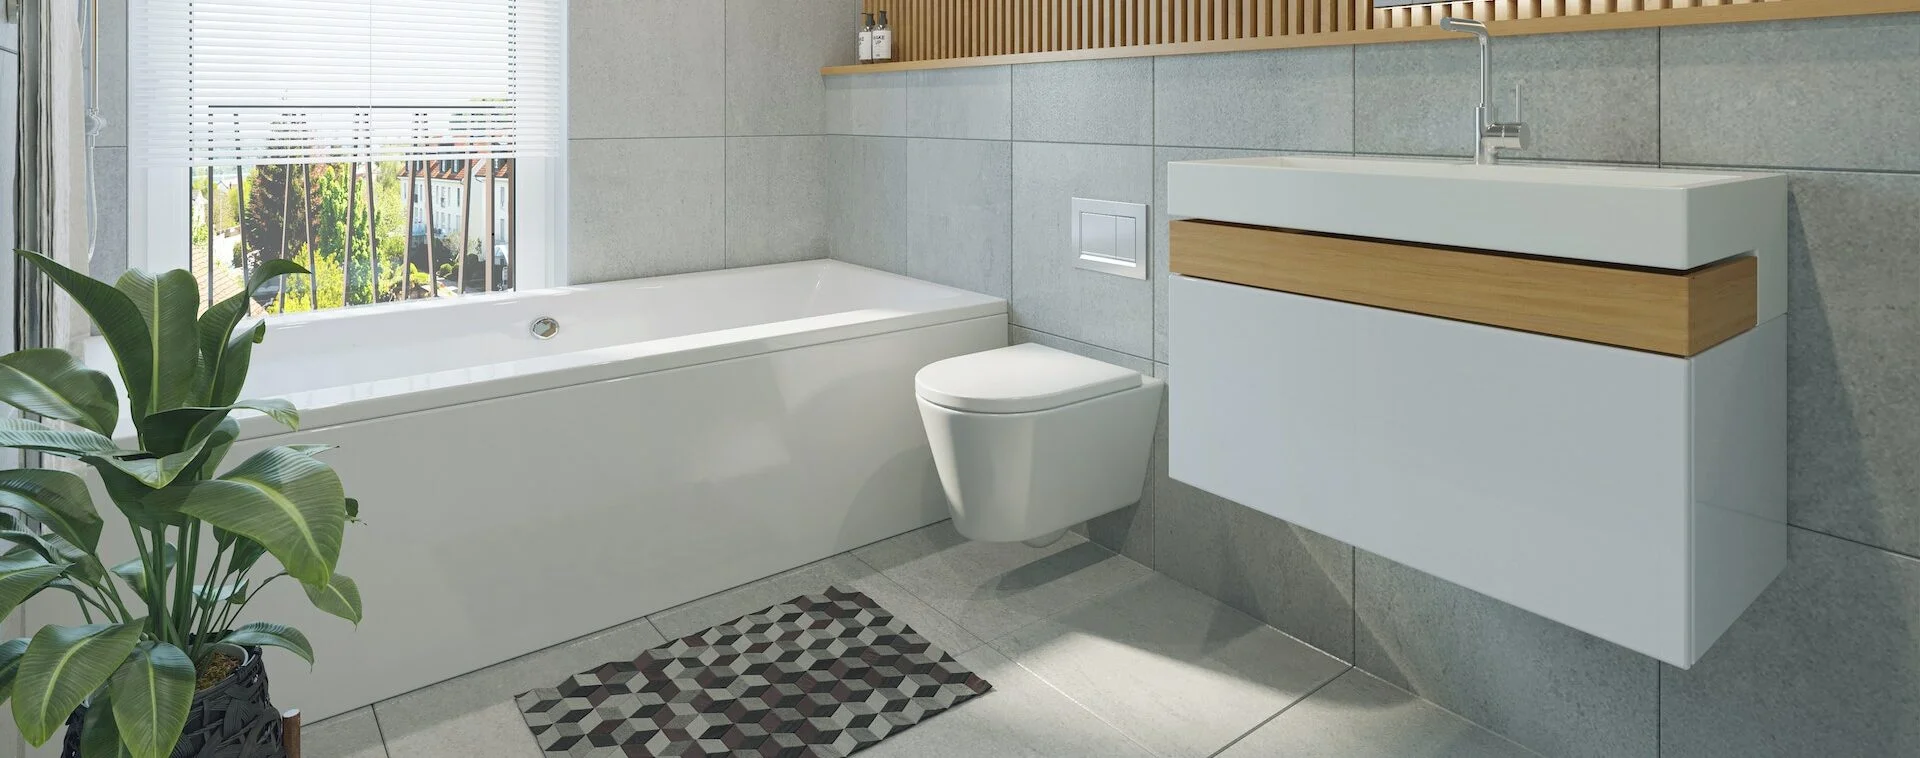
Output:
x,y
1747,11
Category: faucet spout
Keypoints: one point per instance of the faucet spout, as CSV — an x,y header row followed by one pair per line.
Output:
x,y
1479,31
1489,136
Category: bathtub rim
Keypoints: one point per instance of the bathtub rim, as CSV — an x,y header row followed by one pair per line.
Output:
x,y
553,372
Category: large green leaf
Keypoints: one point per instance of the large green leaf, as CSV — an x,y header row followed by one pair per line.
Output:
x,y
99,735
274,635
95,449
70,443
34,542
10,653
135,571
215,451
169,303
340,596
146,507
212,595
151,694
275,408
181,429
79,564
54,384
235,358
288,502
146,469
82,564
216,330
119,321
21,575
187,428
62,666
55,498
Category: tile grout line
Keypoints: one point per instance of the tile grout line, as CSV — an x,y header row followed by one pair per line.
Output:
x,y
1277,714
1070,698
380,730
1081,342
1153,308
1867,545
1353,604
1659,97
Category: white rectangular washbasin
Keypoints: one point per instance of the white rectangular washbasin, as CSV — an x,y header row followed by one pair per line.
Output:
x,y
1676,220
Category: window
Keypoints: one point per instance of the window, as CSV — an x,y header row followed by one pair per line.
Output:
x,y
400,149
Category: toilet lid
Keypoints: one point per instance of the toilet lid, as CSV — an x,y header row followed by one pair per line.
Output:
x,y
1020,379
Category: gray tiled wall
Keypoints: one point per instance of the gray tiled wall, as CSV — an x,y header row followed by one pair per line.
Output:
x,y
696,133
1825,663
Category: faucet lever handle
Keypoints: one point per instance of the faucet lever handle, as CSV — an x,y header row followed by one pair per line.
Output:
x,y
1518,117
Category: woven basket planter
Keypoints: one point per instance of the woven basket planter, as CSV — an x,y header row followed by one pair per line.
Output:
x,y
232,719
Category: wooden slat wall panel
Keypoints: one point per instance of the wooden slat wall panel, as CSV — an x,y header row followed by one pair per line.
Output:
x,y
942,29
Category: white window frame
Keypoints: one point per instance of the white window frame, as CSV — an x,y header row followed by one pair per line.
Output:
x,y
159,203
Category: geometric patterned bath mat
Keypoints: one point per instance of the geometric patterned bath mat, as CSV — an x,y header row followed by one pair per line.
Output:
x,y
820,675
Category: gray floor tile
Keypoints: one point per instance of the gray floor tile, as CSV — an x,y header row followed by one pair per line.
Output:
x,y
843,570
497,731
1825,663
354,734
1295,579
1360,716
1021,718
1543,684
1173,669
994,588
435,718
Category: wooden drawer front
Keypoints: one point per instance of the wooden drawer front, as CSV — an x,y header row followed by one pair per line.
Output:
x,y
1676,313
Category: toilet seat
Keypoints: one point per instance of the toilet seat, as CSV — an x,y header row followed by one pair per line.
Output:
x,y
1020,379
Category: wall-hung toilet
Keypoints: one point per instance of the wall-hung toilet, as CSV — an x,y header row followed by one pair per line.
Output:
x,y
1030,440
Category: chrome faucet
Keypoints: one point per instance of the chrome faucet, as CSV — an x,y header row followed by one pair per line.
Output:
x,y
1489,136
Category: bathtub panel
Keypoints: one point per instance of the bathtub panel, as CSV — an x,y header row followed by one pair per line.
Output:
x,y
503,526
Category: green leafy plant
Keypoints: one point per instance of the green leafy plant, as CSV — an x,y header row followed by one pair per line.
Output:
x,y
199,534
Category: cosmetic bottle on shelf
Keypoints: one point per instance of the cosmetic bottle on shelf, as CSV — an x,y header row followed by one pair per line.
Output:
x,y
866,39
882,40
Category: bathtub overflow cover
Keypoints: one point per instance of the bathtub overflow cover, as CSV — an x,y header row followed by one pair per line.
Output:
x,y
544,328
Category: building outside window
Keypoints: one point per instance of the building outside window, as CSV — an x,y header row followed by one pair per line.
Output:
x,y
396,156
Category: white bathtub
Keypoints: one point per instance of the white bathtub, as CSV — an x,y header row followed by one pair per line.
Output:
x,y
681,435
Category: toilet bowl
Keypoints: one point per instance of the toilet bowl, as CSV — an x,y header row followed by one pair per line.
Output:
x,y
1030,440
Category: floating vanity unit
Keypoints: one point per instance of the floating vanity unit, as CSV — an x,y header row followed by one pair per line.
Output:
x,y
1562,387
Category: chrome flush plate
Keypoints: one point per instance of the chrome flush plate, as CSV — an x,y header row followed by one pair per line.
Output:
x,y
1110,237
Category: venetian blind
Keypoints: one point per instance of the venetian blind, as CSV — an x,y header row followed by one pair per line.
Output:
x,y
234,82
